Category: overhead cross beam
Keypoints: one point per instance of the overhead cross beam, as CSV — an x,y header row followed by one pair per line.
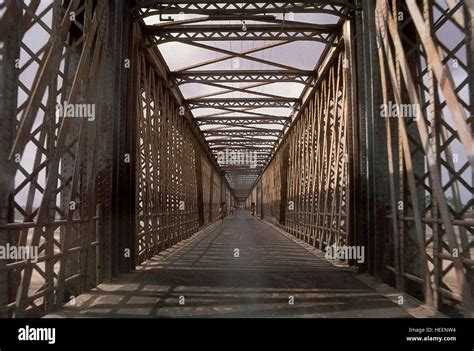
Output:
x,y
244,173
256,103
226,7
244,54
242,169
227,142
232,152
248,111
228,89
226,32
236,121
260,150
243,76
244,21
242,132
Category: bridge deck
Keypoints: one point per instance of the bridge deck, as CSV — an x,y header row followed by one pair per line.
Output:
x,y
214,283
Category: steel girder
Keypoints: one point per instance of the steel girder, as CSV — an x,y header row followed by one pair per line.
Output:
x,y
241,121
64,166
223,32
431,235
243,76
164,8
263,24
254,103
242,133
260,150
245,141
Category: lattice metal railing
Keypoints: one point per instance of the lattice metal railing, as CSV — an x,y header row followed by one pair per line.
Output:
x,y
305,186
426,64
55,63
172,167
318,154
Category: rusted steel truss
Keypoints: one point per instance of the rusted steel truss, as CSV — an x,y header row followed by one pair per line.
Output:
x,y
233,21
179,187
98,194
99,169
431,153
424,242
229,7
222,32
57,178
305,186
250,76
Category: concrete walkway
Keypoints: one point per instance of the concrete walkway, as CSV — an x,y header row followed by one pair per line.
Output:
x,y
202,277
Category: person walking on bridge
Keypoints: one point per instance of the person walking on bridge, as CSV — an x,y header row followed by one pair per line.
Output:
x,y
221,212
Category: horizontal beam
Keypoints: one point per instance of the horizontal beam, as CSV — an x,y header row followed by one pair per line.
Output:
x,y
256,157
231,138
234,28
241,177
254,170
242,167
255,103
243,173
241,120
274,32
228,143
236,17
260,104
237,133
236,155
245,128
243,76
226,7
243,148
259,158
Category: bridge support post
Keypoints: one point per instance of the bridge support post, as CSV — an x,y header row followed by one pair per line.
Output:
x,y
9,52
200,196
284,184
119,219
372,178
211,196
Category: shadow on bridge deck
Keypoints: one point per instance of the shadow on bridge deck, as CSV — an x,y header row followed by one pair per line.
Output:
x,y
201,277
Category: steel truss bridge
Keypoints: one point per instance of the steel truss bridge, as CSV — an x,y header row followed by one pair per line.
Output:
x,y
100,197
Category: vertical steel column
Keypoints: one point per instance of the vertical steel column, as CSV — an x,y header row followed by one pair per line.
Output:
x,y
68,160
372,195
413,263
200,197
9,52
121,237
284,183
211,195
352,130
469,18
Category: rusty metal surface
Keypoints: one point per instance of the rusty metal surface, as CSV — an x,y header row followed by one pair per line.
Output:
x,y
98,196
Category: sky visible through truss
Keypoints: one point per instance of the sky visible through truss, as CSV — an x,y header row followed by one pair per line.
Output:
x,y
301,54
